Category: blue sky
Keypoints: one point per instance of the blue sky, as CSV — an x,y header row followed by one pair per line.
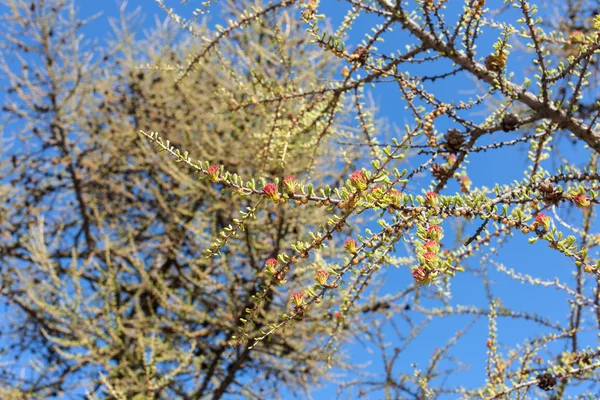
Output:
x,y
502,166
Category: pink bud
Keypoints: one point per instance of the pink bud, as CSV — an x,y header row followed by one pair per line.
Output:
x,y
350,245
431,246
577,36
435,232
271,266
420,275
431,199
396,197
213,173
581,201
290,184
543,220
321,277
271,191
358,180
429,258
298,299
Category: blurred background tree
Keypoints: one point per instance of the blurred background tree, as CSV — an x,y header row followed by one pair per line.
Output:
x,y
108,286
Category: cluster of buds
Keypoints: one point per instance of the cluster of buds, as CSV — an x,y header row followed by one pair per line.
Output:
x,y
577,37
477,8
428,123
350,245
428,128
377,192
213,173
358,180
431,199
581,201
321,279
298,299
572,46
299,305
290,184
543,221
271,192
435,232
429,259
495,62
311,9
395,197
271,269
420,275
271,266
427,254
349,204
431,246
